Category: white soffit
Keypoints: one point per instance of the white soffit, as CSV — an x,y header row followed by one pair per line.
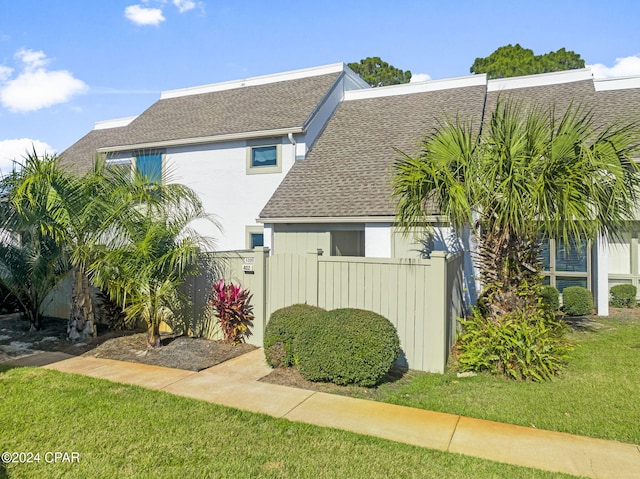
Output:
x,y
417,87
259,80
543,79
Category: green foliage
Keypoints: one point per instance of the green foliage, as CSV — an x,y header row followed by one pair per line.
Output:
x,y
577,301
32,261
281,330
347,346
623,296
550,297
534,172
520,346
233,309
513,60
376,72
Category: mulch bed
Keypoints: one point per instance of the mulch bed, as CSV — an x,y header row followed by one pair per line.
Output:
x,y
180,352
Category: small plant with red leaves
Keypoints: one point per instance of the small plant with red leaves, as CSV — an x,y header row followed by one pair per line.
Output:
x,y
233,309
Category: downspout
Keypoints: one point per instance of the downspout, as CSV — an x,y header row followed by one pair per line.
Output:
x,y
294,143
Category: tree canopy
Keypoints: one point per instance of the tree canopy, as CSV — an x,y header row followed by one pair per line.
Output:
x,y
379,73
513,60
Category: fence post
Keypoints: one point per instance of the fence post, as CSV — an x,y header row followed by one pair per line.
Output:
x,y
259,292
312,285
435,349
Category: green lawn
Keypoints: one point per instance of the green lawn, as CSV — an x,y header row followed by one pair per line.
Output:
x,y
597,394
127,431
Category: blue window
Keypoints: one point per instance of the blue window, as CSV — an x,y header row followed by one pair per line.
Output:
x,y
264,156
150,165
256,239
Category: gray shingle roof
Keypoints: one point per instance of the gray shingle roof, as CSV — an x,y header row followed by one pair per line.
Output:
x,y
348,172
283,104
560,95
618,105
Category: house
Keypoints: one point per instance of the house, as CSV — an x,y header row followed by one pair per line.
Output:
x,y
339,199
301,161
232,142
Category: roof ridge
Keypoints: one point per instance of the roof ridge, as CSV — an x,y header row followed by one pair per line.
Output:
x,y
254,81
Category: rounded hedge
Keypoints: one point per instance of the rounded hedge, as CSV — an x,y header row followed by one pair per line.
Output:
x,y
283,326
349,346
577,301
623,296
550,298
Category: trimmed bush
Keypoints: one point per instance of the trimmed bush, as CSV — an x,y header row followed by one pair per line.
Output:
x,y
623,296
577,301
529,346
282,328
550,298
349,346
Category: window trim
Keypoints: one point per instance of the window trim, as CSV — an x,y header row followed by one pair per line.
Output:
x,y
259,170
249,230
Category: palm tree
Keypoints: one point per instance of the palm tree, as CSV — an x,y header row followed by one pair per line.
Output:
x,y
152,250
532,173
32,263
69,211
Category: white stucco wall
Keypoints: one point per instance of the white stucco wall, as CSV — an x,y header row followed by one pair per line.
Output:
x,y
218,174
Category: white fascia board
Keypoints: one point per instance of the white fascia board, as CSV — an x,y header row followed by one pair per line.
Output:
x,y
254,81
328,219
620,83
115,123
417,87
245,135
543,79
344,219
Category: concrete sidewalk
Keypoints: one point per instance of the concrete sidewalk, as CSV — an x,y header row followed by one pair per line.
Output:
x,y
235,383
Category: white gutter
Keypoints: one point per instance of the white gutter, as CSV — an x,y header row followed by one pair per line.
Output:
x,y
205,139
344,219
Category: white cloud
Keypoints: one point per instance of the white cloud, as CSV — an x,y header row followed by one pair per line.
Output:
x,y
184,5
11,150
36,87
627,66
420,77
5,73
32,60
144,16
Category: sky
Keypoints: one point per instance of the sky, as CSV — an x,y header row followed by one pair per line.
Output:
x,y
65,64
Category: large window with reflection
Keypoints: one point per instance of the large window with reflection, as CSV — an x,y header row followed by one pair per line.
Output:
x,y
566,264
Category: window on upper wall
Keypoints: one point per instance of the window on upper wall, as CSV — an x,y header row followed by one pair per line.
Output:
x,y
254,236
149,164
119,164
264,157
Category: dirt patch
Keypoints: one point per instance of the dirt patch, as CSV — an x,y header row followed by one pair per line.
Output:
x,y
180,352
395,379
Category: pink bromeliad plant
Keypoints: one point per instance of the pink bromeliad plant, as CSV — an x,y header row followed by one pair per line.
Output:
x,y
233,309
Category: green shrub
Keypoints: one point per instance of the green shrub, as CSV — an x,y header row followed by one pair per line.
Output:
x,y
623,296
577,301
521,346
349,346
550,298
282,328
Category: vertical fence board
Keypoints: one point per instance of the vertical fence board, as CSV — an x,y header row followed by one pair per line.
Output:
x,y
421,298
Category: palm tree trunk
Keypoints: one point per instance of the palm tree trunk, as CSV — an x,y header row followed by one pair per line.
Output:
x,y
510,270
153,335
82,320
